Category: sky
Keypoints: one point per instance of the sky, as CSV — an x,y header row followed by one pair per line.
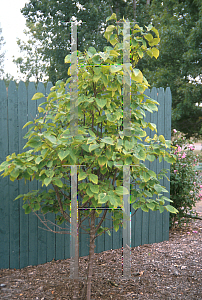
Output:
x,y
12,23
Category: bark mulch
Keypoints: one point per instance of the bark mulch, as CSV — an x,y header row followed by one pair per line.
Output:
x,y
167,270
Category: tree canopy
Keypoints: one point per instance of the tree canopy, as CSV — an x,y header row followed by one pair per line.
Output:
x,y
178,22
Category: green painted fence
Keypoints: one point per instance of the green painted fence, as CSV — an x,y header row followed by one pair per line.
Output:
x,y
23,242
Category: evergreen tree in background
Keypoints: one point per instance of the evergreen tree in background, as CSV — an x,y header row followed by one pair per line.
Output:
x,y
179,65
31,64
179,23
2,54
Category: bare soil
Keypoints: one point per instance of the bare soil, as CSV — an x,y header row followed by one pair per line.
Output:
x,y
167,270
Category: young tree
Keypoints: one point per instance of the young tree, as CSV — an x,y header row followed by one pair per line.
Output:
x,y
101,147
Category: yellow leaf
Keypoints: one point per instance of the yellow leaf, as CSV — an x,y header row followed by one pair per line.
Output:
x,y
136,26
148,37
40,109
155,52
138,77
162,139
110,28
114,53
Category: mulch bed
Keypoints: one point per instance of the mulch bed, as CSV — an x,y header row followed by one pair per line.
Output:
x,y
166,270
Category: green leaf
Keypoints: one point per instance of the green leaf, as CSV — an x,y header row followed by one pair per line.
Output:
x,y
110,163
36,206
62,154
38,96
102,198
47,181
159,189
116,227
171,209
82,176
91,51
91,133
151,157
170,160
120,190
115,68
51,138
150,206
144,207
94,188
128,160
104,56
146,176
93,178
113,200
141,155
140,53
108,140
15,173
93,147
58,182
108,232
27,208
161,209
34,142
136,205
102,160
152,173
19,196
38,160
101,102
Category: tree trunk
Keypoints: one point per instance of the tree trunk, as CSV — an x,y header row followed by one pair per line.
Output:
x,y
148,2
91,256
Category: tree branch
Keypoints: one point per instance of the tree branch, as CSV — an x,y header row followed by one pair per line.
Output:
x,y
102,219
65,215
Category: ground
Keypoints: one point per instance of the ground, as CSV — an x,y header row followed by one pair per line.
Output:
x,y
167,270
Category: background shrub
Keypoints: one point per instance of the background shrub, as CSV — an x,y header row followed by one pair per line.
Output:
x,y
184,179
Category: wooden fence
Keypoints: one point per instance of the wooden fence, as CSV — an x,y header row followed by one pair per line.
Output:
x,y
22,240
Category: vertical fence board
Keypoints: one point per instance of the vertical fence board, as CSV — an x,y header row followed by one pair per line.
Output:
x,y
99,242
50,239
42,233
117,238
145,215
160,128
33,221
23,188
153,165
166,183
4,182
13,185
108,223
